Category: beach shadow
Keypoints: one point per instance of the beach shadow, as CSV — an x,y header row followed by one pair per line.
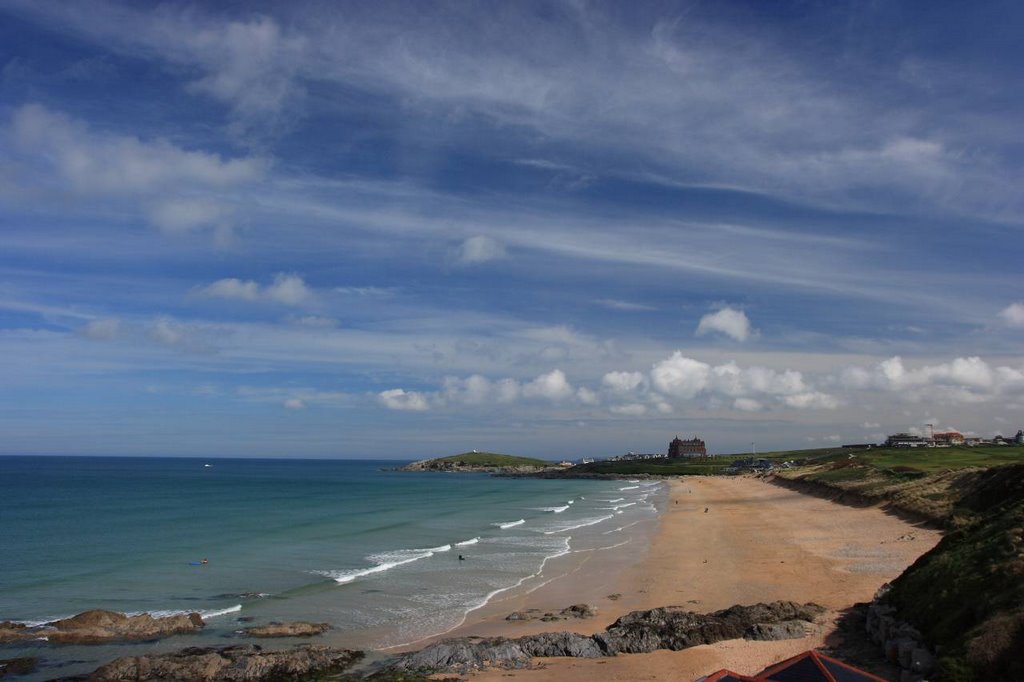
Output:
x,y
850,642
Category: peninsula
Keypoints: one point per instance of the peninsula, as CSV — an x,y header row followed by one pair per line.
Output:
x,y
488,462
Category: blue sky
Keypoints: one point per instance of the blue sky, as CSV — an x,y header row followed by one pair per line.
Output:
x,y
558,229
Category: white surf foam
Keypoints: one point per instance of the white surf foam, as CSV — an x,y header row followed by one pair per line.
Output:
x,y
555,510
630,487
471,541
492,594
620,528
509,524
442,548
384,562
220,612
179,612
581,524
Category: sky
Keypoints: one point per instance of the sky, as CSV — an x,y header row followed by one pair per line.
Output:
x,y
559,229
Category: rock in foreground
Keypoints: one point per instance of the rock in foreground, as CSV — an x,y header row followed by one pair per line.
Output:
x,y
296,629
670,627
243,663
98,627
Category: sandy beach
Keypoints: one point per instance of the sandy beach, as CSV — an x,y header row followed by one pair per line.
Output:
x,y
756,542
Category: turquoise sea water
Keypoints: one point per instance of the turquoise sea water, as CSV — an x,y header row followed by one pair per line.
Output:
x,y
373,552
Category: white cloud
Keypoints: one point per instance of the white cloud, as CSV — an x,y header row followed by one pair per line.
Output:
x,y
251,66
747,405
629,409
960,380
680,376
118,164
1013,315
812,400
294,404
185,215
314,321
686,378
586,396
176,189
729,321
232,287
892,374
623,382
480,249
286,288
616,304
102,330
552,386
400,399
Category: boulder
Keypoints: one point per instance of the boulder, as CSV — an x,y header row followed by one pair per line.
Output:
x,y
295,629
244,663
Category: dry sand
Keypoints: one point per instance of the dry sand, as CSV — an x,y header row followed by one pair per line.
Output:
x,y
756,543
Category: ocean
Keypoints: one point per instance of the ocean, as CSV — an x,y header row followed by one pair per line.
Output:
x,y
373,552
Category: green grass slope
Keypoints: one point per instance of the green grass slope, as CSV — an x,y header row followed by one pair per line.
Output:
x,y
492,459
967,594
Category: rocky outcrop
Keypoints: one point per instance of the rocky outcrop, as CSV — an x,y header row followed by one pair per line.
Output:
x,y
244,663
98,627
675,628
13,632
295,629
670,627
574,611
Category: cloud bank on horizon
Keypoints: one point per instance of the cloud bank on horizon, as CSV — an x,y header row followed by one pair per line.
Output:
x,y
403,229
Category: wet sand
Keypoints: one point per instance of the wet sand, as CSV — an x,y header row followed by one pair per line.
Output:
x,y
756,543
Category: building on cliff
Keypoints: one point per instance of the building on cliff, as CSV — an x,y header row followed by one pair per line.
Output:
x,y
694,447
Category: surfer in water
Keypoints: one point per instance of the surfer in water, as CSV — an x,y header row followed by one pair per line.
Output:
x,y
462,558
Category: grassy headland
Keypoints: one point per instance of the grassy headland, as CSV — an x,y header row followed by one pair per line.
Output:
x,y
479,461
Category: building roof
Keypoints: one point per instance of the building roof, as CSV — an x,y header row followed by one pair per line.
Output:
x,y
810,666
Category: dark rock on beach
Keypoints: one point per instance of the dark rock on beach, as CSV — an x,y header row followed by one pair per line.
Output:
x,y
574,611
296,629
244,663
670,627
98,627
